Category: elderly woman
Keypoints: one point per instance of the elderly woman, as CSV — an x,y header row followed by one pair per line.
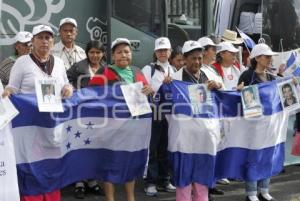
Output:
x,y
120,71
39,64
22,47
261,59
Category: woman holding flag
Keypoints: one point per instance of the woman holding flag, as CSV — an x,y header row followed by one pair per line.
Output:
x,y
261,59
121,71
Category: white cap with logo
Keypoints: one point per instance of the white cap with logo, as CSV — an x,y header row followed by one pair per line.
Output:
x,y
162,43
205,41
226,46
23,37
261,49
190,45
68,20
41,28
120,41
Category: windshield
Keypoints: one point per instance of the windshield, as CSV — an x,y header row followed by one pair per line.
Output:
x,y
145,15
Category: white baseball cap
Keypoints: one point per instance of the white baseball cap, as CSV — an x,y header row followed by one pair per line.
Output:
x,y
120,41
226,46
261,49
190,45
68,20
162,43
23,37
205,41
42,28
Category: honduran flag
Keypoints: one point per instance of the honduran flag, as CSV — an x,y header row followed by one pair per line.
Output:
x,y
291,64
95,138
249,43
221,142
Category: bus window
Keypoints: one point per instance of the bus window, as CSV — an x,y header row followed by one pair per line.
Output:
x,y
145,15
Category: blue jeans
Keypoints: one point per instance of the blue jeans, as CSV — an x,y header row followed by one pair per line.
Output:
x,y
261,185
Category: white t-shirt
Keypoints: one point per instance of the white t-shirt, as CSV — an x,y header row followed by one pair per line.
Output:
x,y
69,56
231,77
25,70
158,77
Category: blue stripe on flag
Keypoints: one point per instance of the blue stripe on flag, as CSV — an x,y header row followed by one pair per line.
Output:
x,y
225,103
87,102
52,174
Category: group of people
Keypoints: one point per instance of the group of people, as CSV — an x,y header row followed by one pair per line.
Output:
x,y
198,62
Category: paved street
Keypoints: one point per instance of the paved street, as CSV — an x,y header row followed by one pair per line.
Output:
x,y
284,187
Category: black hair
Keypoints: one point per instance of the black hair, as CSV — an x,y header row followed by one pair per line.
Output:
x,y
94,44
253,63
176,51
286,85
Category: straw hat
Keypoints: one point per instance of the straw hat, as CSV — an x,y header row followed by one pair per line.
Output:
x,y
231,36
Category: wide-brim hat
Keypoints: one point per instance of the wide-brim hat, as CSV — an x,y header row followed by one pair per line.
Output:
x,y
231,36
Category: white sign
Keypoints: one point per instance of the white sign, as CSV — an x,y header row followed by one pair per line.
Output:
x,y
7,110
9,190
48,95
136,101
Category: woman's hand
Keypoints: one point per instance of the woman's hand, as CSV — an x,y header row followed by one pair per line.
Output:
x,y
67,91
211,84
240,86
7,92
147,90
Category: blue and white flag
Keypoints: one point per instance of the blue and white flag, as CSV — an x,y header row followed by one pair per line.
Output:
x,y
221,142
95,138
291,63
249,43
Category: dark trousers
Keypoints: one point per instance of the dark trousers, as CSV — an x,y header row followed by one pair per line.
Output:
x,y
297,122
158,165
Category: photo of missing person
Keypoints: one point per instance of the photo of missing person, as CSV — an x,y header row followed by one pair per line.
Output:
x,y
48,93
200,99
249,98
251,102
288,94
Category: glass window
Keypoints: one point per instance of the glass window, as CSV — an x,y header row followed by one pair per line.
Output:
x,y
145,15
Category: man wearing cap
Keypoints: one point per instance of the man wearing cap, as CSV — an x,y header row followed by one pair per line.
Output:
x,y
191,72
66,49
39,64
157,73
22,47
